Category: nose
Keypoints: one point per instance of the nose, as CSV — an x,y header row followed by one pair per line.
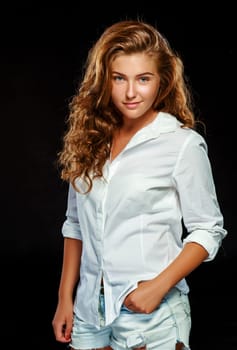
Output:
x,y
131,90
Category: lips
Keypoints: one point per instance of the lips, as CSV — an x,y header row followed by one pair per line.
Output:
x,y
131,105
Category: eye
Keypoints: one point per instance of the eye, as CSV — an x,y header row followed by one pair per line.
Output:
x,y
118,78
144,79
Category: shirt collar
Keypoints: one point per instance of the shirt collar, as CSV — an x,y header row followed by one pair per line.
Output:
x,y
163,123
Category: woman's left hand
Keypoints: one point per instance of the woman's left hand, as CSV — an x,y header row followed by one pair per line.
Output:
x,y
145,298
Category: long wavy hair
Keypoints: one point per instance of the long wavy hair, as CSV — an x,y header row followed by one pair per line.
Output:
x,y
93,117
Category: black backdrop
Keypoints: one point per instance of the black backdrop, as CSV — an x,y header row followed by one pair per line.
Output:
x,y
42,52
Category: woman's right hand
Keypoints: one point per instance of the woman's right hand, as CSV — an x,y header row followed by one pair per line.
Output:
x,y
63,321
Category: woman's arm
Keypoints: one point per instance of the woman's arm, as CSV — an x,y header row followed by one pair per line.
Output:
x,y
149,294
62,321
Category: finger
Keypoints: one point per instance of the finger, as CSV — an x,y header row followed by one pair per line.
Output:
x,y
68,330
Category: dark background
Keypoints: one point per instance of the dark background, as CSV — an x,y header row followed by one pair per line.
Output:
x,y
43,49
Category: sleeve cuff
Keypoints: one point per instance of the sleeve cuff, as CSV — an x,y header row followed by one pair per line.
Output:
x,y
210,240
71,230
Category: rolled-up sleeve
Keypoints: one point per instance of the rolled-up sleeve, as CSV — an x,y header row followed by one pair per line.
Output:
x,y
71,226
196,190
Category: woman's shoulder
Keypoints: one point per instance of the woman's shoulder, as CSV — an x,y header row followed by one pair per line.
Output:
x,y
171,127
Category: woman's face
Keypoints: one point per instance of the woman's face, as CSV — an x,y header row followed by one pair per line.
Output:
x,y
135,85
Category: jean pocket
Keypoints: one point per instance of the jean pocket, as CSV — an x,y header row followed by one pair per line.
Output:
x,y
126,310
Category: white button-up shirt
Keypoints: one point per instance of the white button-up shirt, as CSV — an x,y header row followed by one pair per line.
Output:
x,y
131,221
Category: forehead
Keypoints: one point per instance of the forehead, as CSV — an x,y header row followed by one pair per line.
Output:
x,y
136,62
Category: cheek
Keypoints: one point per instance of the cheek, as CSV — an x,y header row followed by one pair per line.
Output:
x,y
152,93
116,93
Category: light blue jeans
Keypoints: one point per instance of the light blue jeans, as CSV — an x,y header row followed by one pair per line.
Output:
x,y
162,329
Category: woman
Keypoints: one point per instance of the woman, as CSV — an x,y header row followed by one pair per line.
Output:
x,y
137,170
